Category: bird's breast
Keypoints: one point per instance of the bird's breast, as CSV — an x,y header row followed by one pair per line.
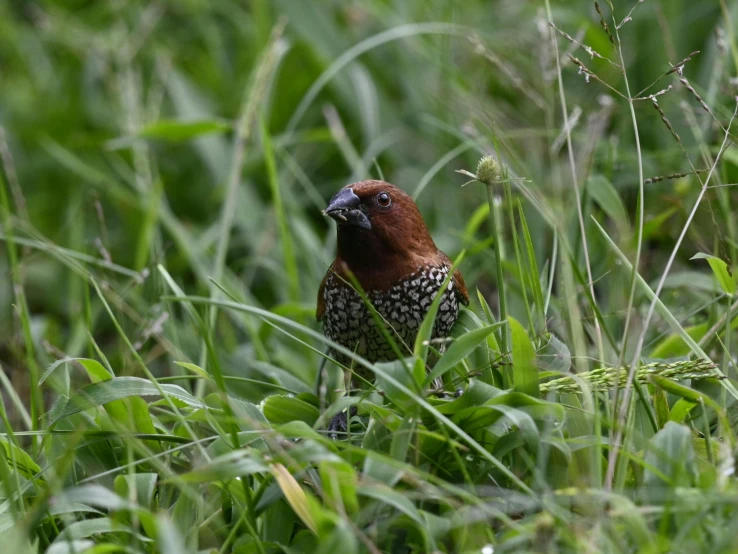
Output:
x,y
401,307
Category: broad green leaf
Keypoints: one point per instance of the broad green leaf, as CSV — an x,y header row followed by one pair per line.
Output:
x,y
229,466
339,485
169,539
721,271
95,369
476,394
299,430
401,437
99,394
525,373
69,547
681,409
283,409
671,452
673,346
391,497
95,495
143,483
459,349
279,521
485,415
697,397
23,461
339,538
95,526
487,352
396,371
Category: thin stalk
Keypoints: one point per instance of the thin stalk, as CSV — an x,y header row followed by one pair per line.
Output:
x,y
572,166
502,298
518,255
636,262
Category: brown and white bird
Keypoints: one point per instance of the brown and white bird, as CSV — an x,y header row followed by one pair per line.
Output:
x,y
384,242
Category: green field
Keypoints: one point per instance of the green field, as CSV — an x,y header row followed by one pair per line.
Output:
x,y
163,169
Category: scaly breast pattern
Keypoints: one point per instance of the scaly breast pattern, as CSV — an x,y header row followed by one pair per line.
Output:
x,y
348,322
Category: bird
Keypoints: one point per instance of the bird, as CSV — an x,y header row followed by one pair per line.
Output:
x,y
384,244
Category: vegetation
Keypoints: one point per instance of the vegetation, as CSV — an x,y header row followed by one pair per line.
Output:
x,y
164,167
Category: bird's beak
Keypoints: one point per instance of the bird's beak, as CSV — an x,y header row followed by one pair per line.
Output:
x,y
345,208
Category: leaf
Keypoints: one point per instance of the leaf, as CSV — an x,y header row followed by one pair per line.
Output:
x,y
283,409
196,369
530,255
23,461
338,538
391,497
673,345
525,373
95,369
99,394
236,463
168,538
656,223
339,485
95,495
476,394
672,453
485,415
608,199
459,349
70,547
681,409
721,271
88,527
395,370
402,436
296,497
554,356
143,483
697,397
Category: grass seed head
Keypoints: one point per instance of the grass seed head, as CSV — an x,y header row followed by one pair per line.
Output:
x,y
489,171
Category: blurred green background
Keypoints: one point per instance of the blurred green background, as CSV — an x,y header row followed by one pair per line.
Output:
x,y
168,147
143,133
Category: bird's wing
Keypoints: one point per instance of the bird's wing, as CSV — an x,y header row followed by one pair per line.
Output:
x,y
461,288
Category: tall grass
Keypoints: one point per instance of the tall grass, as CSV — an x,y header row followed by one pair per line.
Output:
x,y
164,166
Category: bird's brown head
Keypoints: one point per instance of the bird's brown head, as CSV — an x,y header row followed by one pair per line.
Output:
x,y
379,225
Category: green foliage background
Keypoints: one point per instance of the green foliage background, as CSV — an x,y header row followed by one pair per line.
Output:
x,y
164,168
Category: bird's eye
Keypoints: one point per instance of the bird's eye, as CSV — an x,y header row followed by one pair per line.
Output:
x,y
384,200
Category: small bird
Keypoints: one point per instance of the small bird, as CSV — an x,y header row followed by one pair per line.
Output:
x,y
384,242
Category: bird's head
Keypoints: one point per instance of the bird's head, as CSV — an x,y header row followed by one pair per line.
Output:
x,y
378,223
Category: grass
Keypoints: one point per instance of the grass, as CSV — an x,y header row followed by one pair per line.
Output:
x,y
164,166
